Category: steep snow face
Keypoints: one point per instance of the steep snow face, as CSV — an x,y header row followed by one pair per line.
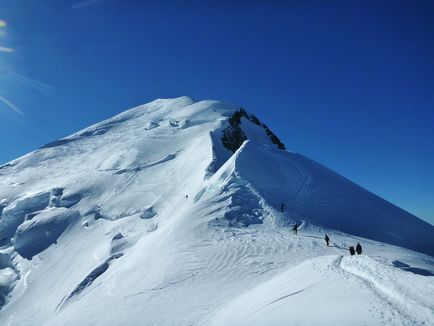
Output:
x,y
172,199
313,193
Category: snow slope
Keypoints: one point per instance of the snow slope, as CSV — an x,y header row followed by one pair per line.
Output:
x,y
169,214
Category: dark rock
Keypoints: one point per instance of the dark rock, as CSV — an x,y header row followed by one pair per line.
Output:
x,y
93,275
118,236
234,137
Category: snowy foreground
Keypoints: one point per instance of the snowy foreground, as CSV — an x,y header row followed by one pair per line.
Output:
x,y
170,214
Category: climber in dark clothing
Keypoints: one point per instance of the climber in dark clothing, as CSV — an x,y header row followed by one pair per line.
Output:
x,y
327,239
295,228
282,207
352,251
359,249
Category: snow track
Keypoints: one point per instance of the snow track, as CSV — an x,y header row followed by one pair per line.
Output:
x,y
340,295
409,294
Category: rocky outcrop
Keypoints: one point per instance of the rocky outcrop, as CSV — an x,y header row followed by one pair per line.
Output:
x,y
234,137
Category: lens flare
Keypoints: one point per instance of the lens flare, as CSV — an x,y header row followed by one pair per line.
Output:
x,y
28,82
6,63
4,24
10,105
5,49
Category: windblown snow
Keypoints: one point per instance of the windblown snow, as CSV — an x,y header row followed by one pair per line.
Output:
x,y
171,214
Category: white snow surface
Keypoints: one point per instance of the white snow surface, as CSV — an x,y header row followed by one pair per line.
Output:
x,y
147,219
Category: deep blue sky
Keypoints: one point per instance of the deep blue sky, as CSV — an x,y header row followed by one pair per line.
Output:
x,y
347,83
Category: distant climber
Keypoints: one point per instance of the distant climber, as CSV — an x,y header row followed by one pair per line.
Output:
x,y
359,249
295,228
352,251
186,196
282,207
327,239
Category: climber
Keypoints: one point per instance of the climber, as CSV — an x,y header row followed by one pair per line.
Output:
x,y
295,228
282,207
352,251
327,239
359,249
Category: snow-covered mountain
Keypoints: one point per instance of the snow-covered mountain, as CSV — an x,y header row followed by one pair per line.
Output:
x,y
171,214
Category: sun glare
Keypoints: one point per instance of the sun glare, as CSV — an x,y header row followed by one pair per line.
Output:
x,y
4,67
5,49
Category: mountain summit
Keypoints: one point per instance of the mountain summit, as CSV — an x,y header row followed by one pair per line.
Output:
x,y
165,213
